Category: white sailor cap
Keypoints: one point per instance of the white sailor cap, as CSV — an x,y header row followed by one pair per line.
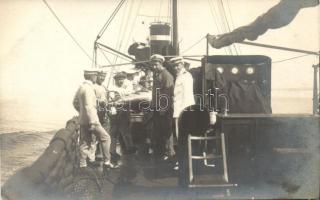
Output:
x,y
90,71
157,57
176,60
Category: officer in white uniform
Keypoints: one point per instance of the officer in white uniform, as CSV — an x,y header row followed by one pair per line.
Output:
x,y
183,96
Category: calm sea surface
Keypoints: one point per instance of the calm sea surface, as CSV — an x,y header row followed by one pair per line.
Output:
x,y
17,116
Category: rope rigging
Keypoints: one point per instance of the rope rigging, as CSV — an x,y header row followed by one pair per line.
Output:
x,y
127,20
115,54
134,22
292,58
227,26
193,45
223,22
67,31
232,25
169,12
159,13
121,31
105,56
215,19
105,26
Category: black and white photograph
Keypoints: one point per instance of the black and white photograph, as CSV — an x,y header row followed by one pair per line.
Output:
x,y
159,99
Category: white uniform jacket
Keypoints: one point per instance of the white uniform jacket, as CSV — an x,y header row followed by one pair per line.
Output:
x,y
124,90
183,93
85,102
101,93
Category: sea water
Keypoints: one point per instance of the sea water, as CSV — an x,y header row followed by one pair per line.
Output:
x,y
19,116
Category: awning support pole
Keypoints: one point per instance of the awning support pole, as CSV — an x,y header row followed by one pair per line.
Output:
x,y
316,90
280,48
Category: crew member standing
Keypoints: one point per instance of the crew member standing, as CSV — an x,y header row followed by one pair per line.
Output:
x,y
101,94
183,97
162,104
85,103
120,120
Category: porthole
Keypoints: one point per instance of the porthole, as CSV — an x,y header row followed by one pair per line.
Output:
x,y
250,70
235,70
220,70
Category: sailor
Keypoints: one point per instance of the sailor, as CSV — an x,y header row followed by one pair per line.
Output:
x,y
101,94
120,126
85,103
183,96
162,93
122,86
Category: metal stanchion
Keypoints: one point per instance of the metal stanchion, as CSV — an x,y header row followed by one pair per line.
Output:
x,y
316,73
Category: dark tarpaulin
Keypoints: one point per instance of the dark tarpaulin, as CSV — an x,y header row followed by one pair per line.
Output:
x,y
243,97
278,16
246,98
245,94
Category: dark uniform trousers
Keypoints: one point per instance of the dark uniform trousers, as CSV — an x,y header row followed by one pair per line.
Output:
x,y
162,133
120,128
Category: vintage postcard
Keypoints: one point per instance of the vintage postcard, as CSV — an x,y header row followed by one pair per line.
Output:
x,y
159,99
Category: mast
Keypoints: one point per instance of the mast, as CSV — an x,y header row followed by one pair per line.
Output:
x,y
175,43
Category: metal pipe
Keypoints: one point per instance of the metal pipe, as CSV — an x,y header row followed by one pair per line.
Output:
x,y
226,103
116,51
315,99
128,63
175,43
280,48
95,54
216,90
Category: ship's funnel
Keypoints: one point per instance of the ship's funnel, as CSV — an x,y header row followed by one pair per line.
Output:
x,y
160,38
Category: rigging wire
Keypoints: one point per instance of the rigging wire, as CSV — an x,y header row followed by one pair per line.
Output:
x,y
121,32
67,31
213,16
223,21
94,56
193,45
120,57
134,23
227,23
105,26
232,24
168,11
104,55
159,13
152,16
292,58
215,19
125,35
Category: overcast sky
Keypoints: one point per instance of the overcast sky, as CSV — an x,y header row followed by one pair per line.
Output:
x,y
41,66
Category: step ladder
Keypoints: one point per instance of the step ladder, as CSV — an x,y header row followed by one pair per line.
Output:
x,y
212,181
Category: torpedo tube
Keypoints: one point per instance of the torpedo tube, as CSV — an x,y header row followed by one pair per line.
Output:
x,y
160,38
